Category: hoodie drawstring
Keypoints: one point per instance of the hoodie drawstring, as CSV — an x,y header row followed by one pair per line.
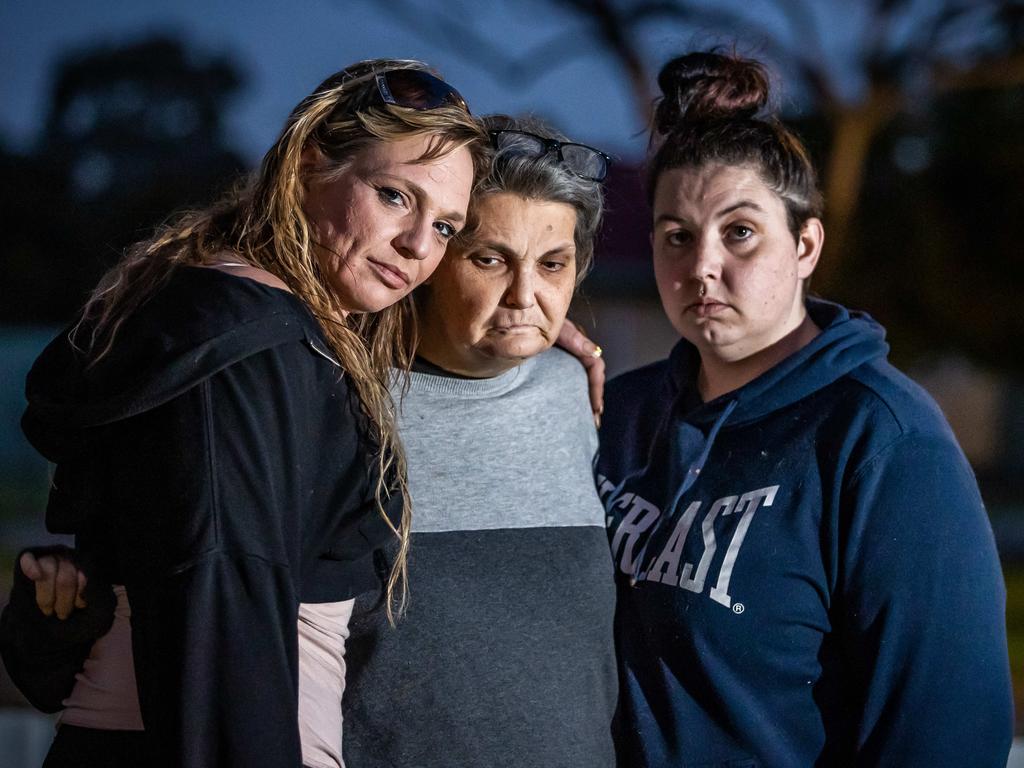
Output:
x,y
688,480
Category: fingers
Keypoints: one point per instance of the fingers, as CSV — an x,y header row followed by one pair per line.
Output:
x,y
58,581
595,382
66,590
30,566
80,594
574,340
46,584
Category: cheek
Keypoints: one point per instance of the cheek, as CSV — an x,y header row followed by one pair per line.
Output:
x,y
436,258
473,305
428,267
335,232
557,296
666,276
769,287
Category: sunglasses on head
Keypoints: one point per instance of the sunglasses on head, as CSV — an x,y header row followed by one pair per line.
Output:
x,y
586,162
410,88
416,89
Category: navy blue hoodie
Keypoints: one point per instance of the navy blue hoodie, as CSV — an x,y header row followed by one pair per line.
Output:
x,y
807,575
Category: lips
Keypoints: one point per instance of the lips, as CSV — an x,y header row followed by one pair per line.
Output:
x,y
514,327
391,275
707,307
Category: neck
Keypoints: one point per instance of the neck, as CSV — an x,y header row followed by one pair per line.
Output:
x,y
718,377
445,356
435,345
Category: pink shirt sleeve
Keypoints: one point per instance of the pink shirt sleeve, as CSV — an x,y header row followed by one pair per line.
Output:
x,y
105,696
323,630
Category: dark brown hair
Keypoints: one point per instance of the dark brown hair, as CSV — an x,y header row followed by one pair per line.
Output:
x,y
714,109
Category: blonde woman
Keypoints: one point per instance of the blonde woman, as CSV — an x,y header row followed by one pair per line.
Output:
x,y
223,435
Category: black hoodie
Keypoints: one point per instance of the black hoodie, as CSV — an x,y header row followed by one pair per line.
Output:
x,y
217,464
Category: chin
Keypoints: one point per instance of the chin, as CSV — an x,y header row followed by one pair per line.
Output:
x,y
520,352
372,301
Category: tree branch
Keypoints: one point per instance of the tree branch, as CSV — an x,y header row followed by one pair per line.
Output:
x,y
462,39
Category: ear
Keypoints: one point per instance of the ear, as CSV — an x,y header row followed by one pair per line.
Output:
x,y
808,247
310,160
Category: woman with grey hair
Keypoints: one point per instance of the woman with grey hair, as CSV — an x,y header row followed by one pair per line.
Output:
x,y
506,654
500,653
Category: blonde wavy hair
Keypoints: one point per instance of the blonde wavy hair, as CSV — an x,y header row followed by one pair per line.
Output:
x,y
262,222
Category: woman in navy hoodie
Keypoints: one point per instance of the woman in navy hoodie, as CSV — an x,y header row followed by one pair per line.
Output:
x,y
807,575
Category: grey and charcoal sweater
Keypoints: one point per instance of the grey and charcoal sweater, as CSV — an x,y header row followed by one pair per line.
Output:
x,y
505,656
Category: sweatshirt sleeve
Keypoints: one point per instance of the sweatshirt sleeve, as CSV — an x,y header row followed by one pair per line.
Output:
x,y
209,530
922,611
43,654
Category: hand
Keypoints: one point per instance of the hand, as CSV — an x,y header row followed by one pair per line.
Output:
x,y
59,582
574,341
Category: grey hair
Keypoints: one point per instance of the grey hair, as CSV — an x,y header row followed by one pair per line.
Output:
x,y
540,178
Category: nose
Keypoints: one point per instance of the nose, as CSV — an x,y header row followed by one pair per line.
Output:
x,y
417,238
707,261
520,293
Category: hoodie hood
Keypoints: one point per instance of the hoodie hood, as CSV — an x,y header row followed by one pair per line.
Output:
x,y
848,339
198,323
688,434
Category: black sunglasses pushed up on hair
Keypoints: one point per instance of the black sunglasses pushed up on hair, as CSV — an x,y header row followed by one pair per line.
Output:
x,y
586,162
416,89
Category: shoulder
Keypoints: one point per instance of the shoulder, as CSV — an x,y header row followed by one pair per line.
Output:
x,y
248,272
205,301
638,395
556,366
898,443
627,385
213,318
197,324
894,406
563,378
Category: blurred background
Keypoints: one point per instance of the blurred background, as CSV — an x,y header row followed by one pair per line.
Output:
x,y
115,113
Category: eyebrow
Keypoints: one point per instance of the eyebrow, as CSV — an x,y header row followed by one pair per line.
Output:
x,y
737,206
421,194
718,214
504,250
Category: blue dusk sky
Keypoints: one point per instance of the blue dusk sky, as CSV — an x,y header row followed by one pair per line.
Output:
x,y
285,49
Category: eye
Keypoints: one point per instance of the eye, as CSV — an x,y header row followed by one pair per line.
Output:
x,y
390,196
552,265
485,260
446,230
740,232
678,237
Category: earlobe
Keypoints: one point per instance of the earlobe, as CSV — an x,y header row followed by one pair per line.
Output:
x,y
808,247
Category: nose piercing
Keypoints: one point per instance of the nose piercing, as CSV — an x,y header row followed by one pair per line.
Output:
x,y
703,290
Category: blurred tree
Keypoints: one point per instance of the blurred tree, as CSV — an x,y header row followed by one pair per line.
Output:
x,y
859,65
133,132
939,256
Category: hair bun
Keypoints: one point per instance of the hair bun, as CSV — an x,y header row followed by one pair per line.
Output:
x,y
709,86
